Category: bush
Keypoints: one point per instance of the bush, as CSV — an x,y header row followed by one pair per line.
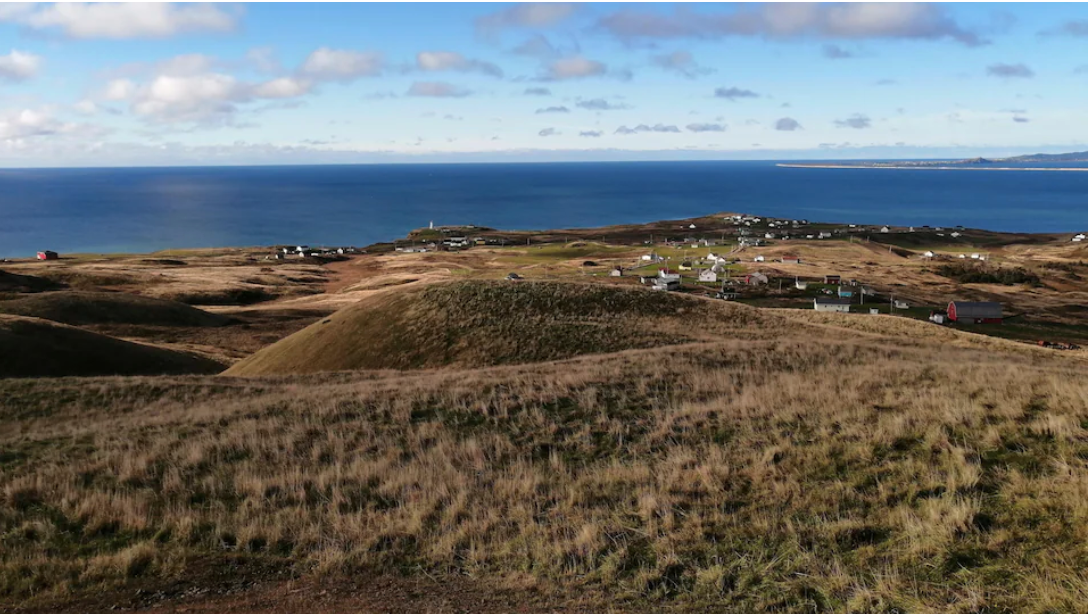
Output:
x,y
969,273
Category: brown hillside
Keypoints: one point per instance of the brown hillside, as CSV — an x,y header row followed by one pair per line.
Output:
x,y
481,323
78,308
32,347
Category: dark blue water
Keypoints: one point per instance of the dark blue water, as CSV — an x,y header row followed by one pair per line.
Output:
x,y
147,209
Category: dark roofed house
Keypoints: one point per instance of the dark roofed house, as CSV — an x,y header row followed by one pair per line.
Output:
x,y
975,312
47,255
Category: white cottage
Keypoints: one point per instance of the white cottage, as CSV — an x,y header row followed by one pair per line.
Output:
x,y
840,305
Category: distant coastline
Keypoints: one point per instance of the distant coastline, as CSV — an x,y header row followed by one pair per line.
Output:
x,y
933,168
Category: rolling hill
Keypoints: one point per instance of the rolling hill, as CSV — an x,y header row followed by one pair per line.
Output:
x,y
482,323
80,308
33,347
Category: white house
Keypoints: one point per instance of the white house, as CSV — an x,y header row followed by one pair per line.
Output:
x,y
666,285
929,254
898,304
800,285
975,256
963,255
956,235
616,272
885,229
769,235
650,258
759,259
756,279
667,275
692,227
825,234
708,275
1077,238
840,305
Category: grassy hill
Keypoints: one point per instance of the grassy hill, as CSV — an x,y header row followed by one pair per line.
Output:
x,y
79,308
481,323
32,347
823,470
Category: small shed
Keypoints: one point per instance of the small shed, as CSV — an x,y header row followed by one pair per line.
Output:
x,y
616,272
980,312
840,305
800,285
832,279
874,311
48,255
898,304
666,285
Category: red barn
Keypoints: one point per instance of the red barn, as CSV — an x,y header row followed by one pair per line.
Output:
x,y
975,312
47,255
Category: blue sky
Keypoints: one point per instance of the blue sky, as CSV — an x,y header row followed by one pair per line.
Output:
x,y
93,84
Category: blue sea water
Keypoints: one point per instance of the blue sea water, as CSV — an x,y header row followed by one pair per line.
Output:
x,y
148,209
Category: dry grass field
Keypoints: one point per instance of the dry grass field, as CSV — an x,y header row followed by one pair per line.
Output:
x,y
810,472
408,432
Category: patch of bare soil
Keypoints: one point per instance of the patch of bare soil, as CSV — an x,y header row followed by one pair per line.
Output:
x,y
247,588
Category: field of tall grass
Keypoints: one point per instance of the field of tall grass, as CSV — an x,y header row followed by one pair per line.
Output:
x,y
815,473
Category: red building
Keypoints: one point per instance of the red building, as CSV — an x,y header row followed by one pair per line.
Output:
x,y
975,312
47,255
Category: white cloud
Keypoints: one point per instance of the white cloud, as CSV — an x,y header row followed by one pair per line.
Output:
x,y
681,62
734,93
119,89
856,121
787,124
179,93
342,64
436,61
706,127
126,20
19,66
861,20
575,67
644,128
18,128
283,87
186,65
437,89
600,104
264,60
526,15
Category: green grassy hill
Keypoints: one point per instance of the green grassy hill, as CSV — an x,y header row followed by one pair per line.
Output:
x,y
79,308
480,323
32,347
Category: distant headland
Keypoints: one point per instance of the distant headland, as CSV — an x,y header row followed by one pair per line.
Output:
x,y
988,164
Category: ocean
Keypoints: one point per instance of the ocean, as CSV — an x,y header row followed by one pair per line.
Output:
x,y
149,209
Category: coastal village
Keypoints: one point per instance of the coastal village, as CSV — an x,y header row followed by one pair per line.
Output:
x,y
1021,286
